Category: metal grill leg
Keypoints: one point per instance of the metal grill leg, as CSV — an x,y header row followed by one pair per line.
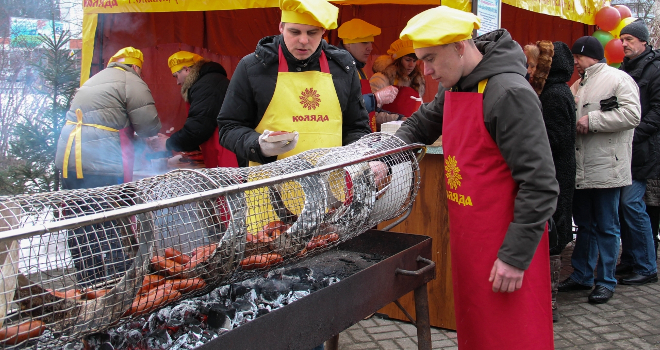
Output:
x,y
332,343
422,317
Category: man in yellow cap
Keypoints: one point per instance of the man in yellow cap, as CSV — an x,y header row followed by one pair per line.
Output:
x,y
357,38
294,81
95,149
501,185
203,87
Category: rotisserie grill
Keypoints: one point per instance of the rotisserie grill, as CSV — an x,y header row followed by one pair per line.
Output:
x,y
77,262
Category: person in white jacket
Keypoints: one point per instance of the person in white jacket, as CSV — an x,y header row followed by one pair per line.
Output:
x,y
608,110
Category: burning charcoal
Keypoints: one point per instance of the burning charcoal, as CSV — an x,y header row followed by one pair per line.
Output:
x,y
242,305
238,290
134,336
261,312
181,343
196,331
105,346
293,296
159,340
180,314
304,273
302,286
220,317
273,288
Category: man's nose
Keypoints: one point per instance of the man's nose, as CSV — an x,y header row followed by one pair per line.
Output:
x,y
370,47
304,39
427,69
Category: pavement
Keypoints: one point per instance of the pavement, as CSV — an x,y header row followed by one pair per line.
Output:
x,y
630,320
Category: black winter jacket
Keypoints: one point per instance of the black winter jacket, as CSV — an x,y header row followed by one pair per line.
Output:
x,y
645,70
253,85
204,88
512,115
559,117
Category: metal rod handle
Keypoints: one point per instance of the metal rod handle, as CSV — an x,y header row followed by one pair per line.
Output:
x,y
429,267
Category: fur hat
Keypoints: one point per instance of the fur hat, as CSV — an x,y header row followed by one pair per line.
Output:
x,y
381,63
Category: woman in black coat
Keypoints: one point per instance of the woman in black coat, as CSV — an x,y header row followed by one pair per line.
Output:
x,y
553,69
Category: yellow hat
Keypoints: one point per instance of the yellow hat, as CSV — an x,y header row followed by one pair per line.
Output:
x,y
319,13
128,55
440,26
400,48
357,31
182,59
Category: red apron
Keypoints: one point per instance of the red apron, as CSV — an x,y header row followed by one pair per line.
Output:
x,y
216,155
403,103
366,89
481,194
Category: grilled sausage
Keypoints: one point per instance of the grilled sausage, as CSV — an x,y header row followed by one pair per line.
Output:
x,y
158,297
260,261
199,255
93,294
176,256
188,284
159,263
19,333
149,282
67,294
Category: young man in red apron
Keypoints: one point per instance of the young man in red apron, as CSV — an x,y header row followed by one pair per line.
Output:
x,y
357,38
203,87
500,179
95,149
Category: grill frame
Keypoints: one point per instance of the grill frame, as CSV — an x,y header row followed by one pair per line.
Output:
x,y
325,313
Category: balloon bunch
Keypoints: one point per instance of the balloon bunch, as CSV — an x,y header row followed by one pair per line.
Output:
x,y
611,19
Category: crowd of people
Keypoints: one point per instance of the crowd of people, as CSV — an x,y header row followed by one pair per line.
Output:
x,y
535,154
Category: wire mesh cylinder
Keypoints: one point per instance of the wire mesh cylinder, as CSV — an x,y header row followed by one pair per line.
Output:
x,y
76,262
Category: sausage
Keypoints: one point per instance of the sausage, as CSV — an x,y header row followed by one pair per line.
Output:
x,y
176,256
199,255
158,297
159,263
19,333
275,133
322,240
67,294
260,237
151,281
188,284
93,294
260,261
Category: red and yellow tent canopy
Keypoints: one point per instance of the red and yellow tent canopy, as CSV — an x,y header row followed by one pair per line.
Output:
x,y
225,31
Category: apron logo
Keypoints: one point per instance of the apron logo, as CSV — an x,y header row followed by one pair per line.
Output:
x,y
453,175
452,172
310,99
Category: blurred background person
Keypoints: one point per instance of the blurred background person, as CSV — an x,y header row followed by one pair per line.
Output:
x,y
550,66
203,87
399,68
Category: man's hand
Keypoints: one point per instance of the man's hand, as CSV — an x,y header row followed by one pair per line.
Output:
x,y
583,125
380,173
158,143
386,95
270,149
505,278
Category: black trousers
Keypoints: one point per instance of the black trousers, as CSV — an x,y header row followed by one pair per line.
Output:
x,y
96,250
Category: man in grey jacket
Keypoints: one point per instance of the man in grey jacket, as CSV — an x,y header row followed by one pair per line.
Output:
x,y
95,149
608,110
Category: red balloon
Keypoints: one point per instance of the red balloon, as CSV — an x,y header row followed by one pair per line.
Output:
x,y
608,18
624,11
614,51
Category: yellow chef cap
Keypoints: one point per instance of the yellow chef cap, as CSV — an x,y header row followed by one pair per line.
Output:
x,y
319,13
400,48
439,26
357,31
182,59
128,55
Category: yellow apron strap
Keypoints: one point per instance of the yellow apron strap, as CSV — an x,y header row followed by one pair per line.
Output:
x,y
482,86
77,135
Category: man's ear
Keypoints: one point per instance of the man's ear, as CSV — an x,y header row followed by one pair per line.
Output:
x,y
460,47
281,27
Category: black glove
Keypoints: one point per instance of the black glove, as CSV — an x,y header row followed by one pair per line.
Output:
x,y
609,104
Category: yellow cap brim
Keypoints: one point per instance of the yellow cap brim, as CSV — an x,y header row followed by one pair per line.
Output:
x,y
128,60
403,51
179,66
300,18
368,39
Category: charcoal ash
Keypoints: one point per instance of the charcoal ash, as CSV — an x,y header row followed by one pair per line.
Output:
x,y
191,323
